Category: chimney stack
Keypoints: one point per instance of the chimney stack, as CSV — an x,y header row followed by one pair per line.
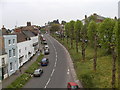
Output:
x,y
28,23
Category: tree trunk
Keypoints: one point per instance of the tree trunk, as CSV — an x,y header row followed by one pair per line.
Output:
x,y
113,68
67,39
71,43
95,53
76,46
63,37
83,50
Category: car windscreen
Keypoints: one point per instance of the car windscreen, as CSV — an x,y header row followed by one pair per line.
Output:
x,y
36,72
74,87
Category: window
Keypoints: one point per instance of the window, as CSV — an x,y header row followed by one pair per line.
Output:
x,y
9,42
13,41
19,50
9,53
13,52
25,48
3,61
25,56
11,66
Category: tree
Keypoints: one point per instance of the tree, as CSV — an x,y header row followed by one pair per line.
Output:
x,y
77,27
55,27
107,34
118,52
71,28
83,37
63,22
67,32
92,35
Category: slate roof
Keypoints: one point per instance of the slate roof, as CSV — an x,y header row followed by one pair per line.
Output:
x,y
28,33
21,37
33,29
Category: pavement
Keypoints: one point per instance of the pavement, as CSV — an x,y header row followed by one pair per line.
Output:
x,y
11,78
60,70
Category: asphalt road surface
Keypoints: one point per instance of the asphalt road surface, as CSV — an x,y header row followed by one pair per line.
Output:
x,y
57,73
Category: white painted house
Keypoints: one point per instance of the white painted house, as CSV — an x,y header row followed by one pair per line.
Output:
x,y
27,45
10,43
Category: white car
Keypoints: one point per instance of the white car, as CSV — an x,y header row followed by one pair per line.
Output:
x,y
46,47
38,72
46,51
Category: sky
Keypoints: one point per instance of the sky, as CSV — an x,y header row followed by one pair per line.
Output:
x,y
39,12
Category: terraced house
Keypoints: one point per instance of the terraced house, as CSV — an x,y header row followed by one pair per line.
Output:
x,y
17,48
3,59
27,45
27,42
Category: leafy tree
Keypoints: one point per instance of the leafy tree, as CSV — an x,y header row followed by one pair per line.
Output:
x,y
92,18
71,28
83,37
107,34
67,32
92,35
55,27
118,52
77,27
63,22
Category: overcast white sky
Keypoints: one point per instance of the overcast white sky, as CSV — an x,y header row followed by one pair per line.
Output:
x,y
39,12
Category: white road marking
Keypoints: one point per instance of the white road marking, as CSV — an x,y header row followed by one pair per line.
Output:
x,y
68,72
54,66
52,72
47,83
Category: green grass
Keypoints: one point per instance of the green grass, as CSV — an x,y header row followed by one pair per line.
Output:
x,y
84,69
20,81
24,78
34,66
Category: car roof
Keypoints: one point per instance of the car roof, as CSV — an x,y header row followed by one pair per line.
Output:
x,y
38,69
44,59
72,83
46,45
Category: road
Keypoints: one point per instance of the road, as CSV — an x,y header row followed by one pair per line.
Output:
x,y
57,73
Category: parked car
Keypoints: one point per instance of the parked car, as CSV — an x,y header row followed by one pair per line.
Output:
x,y
44,62
43,39
46,51
38,72
46,47
72,86
44,42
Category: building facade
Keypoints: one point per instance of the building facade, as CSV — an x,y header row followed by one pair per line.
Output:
x,y
25,52
3,59
10,43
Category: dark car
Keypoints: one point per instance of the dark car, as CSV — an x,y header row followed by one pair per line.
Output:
x,y
72,86
38,72
44,62
46,51
44,42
